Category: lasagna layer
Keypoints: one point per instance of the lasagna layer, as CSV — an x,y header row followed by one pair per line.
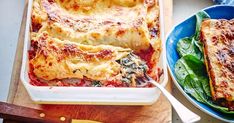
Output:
x,y
126,23
53,59
218,38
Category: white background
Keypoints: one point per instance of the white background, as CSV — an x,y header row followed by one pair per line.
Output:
x,y
11,12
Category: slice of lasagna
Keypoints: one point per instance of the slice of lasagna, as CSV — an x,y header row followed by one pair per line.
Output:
x,y
56,62
218,39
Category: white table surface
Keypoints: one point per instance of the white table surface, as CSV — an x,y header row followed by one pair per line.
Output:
x,y
11,13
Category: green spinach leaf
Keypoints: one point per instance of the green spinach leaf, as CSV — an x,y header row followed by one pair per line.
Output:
x,y
193,87
181,71
192,45
219,108
200,16
189,64
205,85
187,46
194,65
96,83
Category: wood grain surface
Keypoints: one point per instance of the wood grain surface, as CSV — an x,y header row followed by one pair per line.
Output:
x,y
159,112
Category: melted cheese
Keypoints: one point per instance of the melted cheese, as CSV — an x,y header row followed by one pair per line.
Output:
x,y
56,59
126,23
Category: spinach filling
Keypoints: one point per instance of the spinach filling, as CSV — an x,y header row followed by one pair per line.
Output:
x,y
96,83
132,69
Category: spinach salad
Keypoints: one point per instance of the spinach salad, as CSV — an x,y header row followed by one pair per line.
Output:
x,y
190,69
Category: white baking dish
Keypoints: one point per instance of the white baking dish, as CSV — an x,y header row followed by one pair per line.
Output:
x,y
90,95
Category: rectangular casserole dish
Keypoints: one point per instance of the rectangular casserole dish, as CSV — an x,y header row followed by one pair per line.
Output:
x,y
91,95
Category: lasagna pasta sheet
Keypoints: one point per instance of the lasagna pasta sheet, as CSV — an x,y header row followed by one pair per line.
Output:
x,y
52,59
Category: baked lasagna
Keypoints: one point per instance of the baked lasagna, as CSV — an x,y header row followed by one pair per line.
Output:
x,y
94,42
218,39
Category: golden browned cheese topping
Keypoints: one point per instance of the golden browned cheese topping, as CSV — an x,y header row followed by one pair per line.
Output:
x,y
218,38
127,23
55,59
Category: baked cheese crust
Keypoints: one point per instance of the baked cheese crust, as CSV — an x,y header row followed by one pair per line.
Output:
x,y
218,38
56,59
126,23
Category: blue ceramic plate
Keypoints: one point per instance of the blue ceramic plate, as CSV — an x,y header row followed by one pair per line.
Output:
x,y
187,29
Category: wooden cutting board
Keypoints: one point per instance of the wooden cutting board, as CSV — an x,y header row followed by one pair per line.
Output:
x,y
160,111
